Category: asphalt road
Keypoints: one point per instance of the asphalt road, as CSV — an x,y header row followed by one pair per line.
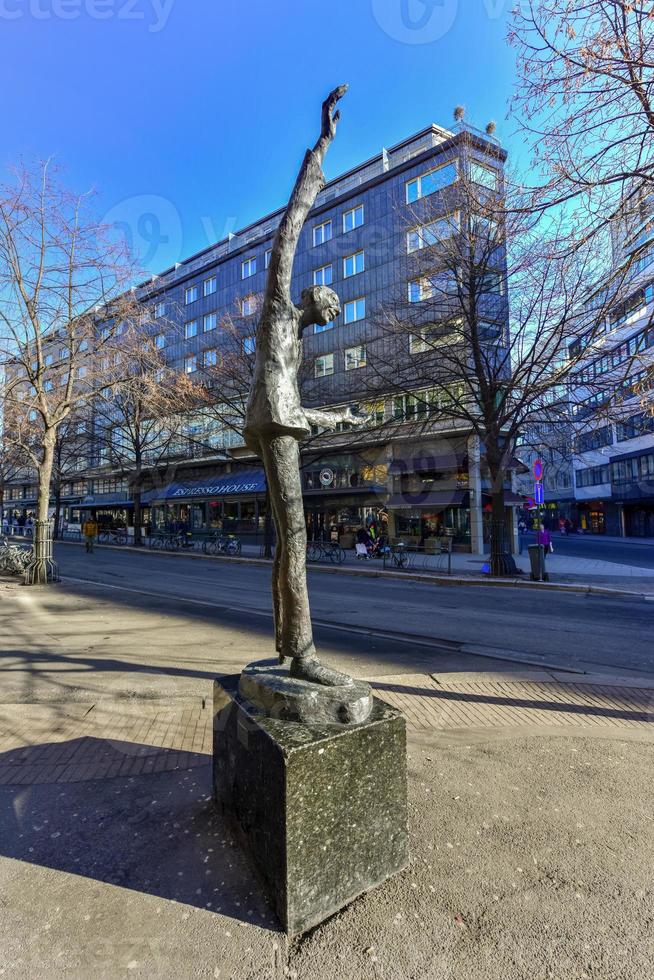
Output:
x,y
623,551
416,621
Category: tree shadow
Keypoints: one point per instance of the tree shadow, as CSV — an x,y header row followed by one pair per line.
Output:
x,y
154,831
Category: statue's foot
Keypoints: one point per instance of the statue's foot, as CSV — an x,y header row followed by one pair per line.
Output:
x,y
281,659
310,669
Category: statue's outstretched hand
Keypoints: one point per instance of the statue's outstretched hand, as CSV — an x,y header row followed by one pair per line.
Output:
x,y
357,421
329,116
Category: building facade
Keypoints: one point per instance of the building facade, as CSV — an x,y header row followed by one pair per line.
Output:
x,y
613,462
358,240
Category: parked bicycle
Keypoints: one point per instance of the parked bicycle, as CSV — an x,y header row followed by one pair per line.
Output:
x,y
163,540
13,559
327,551
222,544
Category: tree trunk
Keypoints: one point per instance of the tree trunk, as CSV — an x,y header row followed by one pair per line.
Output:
x,y
138,516
501,559
42,568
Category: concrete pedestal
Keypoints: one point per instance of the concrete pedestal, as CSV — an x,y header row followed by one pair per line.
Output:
x,y
321,809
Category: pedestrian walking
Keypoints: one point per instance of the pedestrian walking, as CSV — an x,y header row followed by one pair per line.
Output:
x,y
90,532
545,538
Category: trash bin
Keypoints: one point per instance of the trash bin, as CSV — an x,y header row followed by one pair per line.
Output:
x,y
537,562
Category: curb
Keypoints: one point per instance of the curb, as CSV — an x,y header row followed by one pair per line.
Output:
x,y
508,583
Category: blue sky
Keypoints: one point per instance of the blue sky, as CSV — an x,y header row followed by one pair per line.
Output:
x,y
190,117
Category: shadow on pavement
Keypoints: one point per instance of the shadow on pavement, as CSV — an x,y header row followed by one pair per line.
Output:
x,y
639,704
155,833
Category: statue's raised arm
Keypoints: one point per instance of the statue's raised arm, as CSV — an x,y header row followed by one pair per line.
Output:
x,y
308,185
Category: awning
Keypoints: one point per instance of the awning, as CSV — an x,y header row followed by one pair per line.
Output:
x,y
252,481
430,498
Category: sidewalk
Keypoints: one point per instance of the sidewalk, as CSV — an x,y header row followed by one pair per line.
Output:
x,y
530,814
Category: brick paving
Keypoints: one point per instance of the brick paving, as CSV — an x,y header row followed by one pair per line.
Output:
x,y
46,743
432,703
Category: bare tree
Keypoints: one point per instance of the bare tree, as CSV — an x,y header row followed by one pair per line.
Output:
x,y
59,269
481,337
585,99
140,407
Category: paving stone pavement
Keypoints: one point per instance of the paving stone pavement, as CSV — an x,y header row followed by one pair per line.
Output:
x,y
51,743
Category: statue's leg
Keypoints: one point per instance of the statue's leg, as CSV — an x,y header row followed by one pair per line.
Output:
x,y
282,462
278,604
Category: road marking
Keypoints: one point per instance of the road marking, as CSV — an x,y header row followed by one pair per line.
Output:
x,y
443,645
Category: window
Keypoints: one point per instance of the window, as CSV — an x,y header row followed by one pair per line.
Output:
x,y
84,345
594,439
353,264
493,282
248,305
191,294
418,343
190,363
248,267
63,353
267,257
160,341
210,321
209,286
354,310
324,366
81,372
322,233
430,182
355,357
424,288
48,385
249,345
210,358
160,310
430,234
49,359
353,219
592,477
323,276
191,329
321,327
484,175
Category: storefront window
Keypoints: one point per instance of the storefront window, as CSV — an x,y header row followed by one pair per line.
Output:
x,y
198,517
215,514
248,516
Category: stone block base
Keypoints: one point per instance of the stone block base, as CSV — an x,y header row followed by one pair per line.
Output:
x,y
321,810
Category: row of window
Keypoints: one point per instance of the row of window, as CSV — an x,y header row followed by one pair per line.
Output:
x,y
592,477
355,357
418,187
637,425
594,439
628,470
623,352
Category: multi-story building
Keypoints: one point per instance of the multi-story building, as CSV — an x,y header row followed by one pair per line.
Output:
x,y
357,240
614,421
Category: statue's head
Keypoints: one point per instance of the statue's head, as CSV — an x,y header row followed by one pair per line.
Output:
x,y
319,304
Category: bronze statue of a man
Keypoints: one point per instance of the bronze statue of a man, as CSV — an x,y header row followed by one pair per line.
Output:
x,y
276,421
